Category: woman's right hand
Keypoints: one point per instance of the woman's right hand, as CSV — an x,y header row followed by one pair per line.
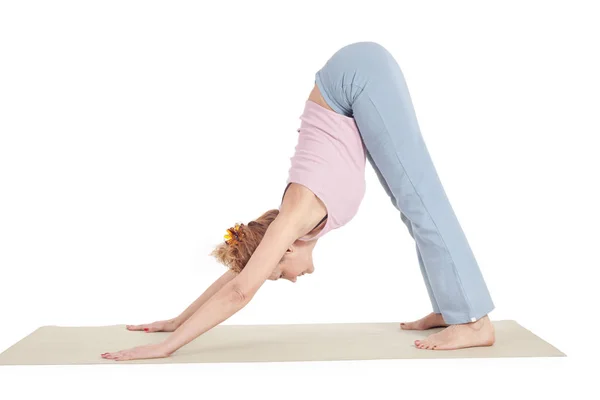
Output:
x,y
158,326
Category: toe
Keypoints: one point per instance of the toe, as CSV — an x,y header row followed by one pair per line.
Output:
x,y
445,346
427,344
411,325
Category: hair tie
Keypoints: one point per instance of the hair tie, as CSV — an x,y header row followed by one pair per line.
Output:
x,y
233,236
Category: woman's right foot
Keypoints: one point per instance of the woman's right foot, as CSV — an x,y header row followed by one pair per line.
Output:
x,y
432,320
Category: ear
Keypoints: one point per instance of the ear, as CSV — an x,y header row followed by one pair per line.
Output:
x,y
291,249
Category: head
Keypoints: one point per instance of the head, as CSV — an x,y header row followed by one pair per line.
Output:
x,y
242,240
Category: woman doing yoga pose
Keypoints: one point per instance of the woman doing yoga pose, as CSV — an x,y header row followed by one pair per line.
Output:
x,y
359,109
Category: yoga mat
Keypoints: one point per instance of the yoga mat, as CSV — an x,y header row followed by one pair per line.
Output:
x,y
53,345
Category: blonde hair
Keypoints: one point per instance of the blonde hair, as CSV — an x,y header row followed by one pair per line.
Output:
x,y
242,240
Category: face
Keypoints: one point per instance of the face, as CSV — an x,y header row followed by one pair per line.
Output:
x,y
296,262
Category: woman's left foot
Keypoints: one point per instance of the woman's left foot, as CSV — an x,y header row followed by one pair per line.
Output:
x,y
472,334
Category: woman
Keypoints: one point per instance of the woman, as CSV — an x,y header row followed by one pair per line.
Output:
x,y
359,109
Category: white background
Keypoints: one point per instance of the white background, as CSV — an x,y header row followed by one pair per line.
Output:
x,y
132,134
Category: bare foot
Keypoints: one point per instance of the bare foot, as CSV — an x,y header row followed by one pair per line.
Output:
x,y
472,334
430,321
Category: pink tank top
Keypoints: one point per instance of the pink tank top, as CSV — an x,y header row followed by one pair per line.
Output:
x,y
329,160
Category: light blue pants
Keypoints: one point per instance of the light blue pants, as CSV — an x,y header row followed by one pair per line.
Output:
x,y
363,80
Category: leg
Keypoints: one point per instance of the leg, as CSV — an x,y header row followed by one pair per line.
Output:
x,y
364,81
406,221
434,319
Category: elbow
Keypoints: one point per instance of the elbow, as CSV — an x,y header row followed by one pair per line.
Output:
x,y
237,294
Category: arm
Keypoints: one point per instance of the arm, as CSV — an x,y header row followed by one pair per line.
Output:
x,y
208,293
238,292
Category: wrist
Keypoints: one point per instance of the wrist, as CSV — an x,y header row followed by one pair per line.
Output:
x,y
176,322
166,348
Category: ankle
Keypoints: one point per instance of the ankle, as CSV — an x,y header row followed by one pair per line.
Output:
x,y
480,323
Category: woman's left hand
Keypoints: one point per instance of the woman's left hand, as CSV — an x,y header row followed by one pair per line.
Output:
x,y
148,351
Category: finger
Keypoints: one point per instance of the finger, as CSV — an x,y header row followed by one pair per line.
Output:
x,y
124,356
115,355
134,327
143,327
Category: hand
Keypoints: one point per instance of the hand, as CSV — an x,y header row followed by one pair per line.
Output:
x,y
158,326
158,350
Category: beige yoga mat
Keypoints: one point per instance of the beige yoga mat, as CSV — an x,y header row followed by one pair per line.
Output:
x,y
263,343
